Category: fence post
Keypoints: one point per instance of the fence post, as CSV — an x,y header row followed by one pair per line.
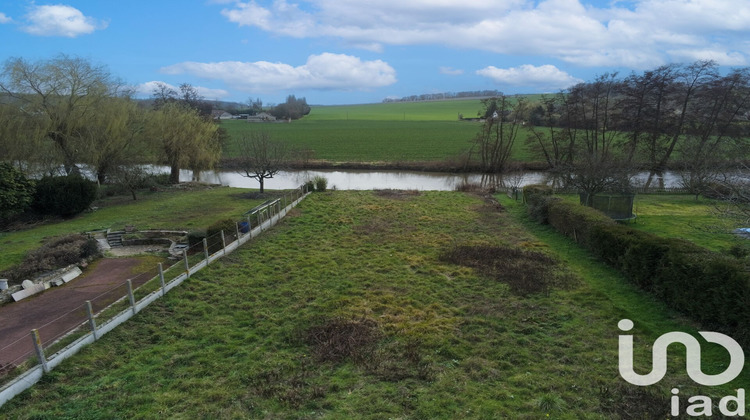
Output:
x,y
131,296
223,242
92,322
205,249
39,350
187,264
249,226
237,229
161,280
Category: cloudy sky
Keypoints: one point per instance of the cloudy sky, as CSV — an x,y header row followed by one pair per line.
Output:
x,y
356,51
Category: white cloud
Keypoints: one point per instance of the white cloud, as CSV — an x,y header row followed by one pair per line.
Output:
x,y
60,20
637,34
148,88
451,71
542,77
4,18
325,71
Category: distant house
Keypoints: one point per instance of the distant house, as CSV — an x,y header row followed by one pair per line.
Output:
x,y
221,115
262,117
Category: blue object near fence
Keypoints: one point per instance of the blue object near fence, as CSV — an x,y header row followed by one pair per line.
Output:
x,y
244,227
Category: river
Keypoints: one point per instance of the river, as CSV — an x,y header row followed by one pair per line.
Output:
x,y
402,180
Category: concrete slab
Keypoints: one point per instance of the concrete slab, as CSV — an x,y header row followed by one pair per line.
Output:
x,y
31,290
71,274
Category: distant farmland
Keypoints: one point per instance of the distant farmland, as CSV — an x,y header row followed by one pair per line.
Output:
x,y
389,132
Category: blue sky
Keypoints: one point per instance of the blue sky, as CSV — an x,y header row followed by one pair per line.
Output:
x,y
354,51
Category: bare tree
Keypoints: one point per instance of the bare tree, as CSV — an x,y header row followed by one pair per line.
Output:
x,y
548,140
261,157
494,143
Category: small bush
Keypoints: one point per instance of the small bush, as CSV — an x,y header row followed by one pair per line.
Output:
x,y
321,183
213,233
309,185
195,239
64,195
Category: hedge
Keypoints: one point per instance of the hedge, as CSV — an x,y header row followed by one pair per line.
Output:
x,y
64,195
709,287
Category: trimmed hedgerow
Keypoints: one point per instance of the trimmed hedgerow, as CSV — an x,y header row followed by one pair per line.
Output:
x,y
538,198
576,221
709,287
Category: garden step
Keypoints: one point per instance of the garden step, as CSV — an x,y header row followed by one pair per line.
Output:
x,y
115,239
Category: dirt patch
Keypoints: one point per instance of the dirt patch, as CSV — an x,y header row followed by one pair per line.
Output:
x,y
339,339
526,272
60,309
397,194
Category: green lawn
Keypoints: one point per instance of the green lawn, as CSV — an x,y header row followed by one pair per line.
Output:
x,y
349,309
171,209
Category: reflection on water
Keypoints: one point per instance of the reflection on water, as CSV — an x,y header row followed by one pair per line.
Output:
x,y
402,180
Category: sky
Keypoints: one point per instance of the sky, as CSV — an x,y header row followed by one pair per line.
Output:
x,y
355,51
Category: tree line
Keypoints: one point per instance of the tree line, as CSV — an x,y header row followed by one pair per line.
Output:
x,y
65,111
598,133
445,95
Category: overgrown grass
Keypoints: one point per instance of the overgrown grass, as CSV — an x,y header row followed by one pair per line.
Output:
x,y
170,209
346,310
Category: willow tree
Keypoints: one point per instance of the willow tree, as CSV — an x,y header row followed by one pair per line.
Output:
x,y
115,137
183,138
59,97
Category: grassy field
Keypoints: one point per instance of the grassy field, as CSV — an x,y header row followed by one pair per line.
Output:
x,y
170,209
380,305
394,132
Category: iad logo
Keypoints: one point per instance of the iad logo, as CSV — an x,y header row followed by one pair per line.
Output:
x,y
702,404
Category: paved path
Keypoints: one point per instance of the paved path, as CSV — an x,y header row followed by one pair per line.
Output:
x,y
60,309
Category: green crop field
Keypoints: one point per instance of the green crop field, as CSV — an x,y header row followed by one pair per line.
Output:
x,y
388,132
399,111
355,306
